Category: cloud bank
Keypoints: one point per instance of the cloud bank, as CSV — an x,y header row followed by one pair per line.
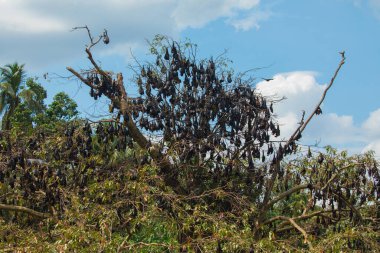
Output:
x,y
37,32
302,92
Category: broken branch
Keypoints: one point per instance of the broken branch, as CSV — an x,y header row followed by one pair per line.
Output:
x,y
25,210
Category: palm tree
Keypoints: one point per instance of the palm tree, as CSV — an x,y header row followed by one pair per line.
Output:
x,y
11,80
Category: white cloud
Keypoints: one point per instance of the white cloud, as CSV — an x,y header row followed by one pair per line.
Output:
x,y
374,146
16,18
252,20
197,13
288,122
371,128
37,32
372,124
121,49
300,89
333,129
303,92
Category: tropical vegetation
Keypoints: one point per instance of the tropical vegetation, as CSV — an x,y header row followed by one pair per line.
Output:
x,y
193,163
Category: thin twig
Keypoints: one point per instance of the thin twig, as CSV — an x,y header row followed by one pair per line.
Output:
x,y
93,43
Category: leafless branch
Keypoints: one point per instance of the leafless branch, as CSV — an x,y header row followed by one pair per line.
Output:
x,y
100,71
298,227
299,131
285,194
122,103
80,77
25,210
303,216
93,42
303,126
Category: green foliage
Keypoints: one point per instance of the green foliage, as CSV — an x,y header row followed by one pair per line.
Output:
x,y
11,81
22,102
30,108
62,108
22,119
105,193
36,97
125,205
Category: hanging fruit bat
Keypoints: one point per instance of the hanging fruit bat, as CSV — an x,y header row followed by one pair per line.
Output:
x,y
166,57
318,111
106,39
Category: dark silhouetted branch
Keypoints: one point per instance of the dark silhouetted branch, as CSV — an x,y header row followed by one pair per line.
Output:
x,y
299,131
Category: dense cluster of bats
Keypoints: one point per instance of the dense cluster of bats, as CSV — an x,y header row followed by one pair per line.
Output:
x,y
209,119
204,111
354,187
65,162
34,179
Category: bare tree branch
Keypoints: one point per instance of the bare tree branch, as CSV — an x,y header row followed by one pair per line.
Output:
x,y
317,107
80,77
122,103
93,42
298,227
100,71
285,194
24,210
303,216
299,131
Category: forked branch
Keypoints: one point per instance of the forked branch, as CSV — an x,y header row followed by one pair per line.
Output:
x,y
298,227
104,36
121,102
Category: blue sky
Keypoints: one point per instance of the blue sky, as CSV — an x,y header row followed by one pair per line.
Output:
x,y
297,42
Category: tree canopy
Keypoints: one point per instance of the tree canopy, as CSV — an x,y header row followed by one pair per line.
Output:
x,y
12,78
62,108
193,163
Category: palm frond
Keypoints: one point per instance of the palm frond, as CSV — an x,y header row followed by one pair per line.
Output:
x,y
7,89
13,74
